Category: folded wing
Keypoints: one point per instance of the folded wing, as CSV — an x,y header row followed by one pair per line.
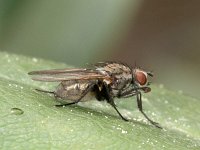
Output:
x,y
57,75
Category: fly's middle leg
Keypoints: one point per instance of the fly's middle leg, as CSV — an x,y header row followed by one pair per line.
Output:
x,y
111,101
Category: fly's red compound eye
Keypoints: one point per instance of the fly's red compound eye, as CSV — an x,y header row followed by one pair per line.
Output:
x,y
141,77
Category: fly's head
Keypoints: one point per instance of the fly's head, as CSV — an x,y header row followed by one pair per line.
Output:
x,y
140,79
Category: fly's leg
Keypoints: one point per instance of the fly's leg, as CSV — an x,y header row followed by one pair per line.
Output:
x,y
139,102
50,92
130,93
127,94
78,100
111,101
114,106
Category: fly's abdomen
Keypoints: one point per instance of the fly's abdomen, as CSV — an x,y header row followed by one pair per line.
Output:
x,y
73,90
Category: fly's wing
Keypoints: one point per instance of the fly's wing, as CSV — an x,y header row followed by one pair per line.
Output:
x,y
57,75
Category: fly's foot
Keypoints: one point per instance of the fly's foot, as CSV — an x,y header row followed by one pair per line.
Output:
x,y
156,124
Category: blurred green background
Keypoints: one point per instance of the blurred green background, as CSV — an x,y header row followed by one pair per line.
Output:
x,y
163,36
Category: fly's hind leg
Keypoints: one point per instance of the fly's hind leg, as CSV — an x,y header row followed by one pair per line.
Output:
x,y
78,100
50,92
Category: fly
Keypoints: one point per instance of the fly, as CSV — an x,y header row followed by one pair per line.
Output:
x,y
106,81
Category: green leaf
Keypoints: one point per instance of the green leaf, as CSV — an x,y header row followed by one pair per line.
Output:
x,y
29,119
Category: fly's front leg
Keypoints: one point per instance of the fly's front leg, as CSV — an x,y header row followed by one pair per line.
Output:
x,y
139,103
130,92
127,94
110,100
78,100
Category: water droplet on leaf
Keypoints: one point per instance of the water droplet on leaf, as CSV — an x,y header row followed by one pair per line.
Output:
x,y
17,111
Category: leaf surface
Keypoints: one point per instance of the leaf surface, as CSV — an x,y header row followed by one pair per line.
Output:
x,y
29,119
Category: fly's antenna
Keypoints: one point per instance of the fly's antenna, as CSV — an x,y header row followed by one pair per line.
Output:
x,y
150,73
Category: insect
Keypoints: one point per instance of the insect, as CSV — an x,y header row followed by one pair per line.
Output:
x,y
105,80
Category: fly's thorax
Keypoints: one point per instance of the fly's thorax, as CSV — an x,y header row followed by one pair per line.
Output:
x,y
121,81
120,74
114,68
